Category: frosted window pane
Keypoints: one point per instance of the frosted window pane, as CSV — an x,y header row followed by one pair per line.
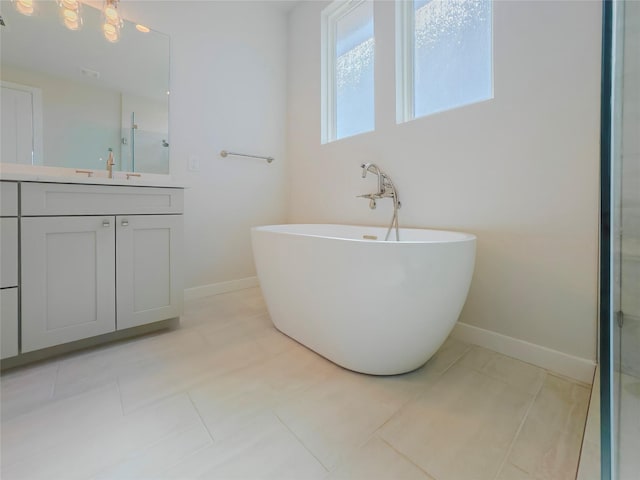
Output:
x,y
453,64
354,71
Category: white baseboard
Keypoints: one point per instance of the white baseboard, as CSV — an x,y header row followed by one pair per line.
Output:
x,y
221,287
573,367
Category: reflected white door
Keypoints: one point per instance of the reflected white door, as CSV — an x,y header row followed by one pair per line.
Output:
x,y
17,126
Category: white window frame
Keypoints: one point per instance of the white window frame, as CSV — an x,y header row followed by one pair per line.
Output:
x,y
405,61
330,17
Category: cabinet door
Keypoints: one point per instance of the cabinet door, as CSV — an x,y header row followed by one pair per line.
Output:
x,y
8,322
8,252
68,279
148,268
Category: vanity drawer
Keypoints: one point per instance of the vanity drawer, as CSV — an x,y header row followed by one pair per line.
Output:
x,y
9,322
8,252
43,199
8,199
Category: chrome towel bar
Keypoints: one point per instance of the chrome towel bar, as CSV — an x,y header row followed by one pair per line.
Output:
x,y
224,154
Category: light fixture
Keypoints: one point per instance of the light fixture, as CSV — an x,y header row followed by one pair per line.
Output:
x,y
25,7
112,21
70,14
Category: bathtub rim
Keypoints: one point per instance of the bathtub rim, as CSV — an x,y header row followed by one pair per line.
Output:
x,y
455,236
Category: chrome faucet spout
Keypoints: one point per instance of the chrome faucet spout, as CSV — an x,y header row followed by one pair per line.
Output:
x,y
373,168
110,163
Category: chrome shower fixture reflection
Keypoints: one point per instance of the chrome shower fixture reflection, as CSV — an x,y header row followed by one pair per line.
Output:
x,y
386,189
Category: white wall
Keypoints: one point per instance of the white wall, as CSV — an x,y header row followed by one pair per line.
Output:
x,y
228,91
520,171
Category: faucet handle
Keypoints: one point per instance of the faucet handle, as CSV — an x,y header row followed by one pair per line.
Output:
x,y
372,199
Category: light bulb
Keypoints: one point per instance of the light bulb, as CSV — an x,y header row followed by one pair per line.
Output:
x,y
71,20
112,21
70,14
111,32
111,14
25,7
70,4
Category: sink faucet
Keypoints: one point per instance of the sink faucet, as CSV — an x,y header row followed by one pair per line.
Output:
x,y
110,163
386,189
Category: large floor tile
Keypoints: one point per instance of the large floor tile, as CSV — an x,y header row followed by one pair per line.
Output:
x,y
376,460
90,436
561,403
545,452
262,449
89,369
230,402
589,465
629,427
154,460
511,472
27,388
336,416
509,370
461,427
219,310
153,382
548,446
45,443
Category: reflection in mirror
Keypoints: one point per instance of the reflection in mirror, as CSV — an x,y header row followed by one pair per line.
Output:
x,y
69,96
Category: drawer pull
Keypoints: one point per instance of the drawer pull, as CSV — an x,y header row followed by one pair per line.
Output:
x,y
106,223
125,223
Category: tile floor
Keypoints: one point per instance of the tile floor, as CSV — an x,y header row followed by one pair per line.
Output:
x,y
226,396
589,466
627,462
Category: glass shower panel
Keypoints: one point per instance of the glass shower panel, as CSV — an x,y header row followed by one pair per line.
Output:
x,y
626,249
145,135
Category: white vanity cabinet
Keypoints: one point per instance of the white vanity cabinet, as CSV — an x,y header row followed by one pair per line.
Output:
x,y
8,269
96,259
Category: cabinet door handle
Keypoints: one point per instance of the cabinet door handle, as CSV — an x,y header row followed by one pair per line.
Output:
x,y
124,223
106,223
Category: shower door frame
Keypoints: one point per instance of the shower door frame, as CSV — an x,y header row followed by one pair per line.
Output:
x,y
606,241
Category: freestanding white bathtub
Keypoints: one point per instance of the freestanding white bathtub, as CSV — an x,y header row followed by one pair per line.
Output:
x,y
373,306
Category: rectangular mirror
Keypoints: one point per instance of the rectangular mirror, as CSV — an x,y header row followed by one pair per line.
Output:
x,y
70,96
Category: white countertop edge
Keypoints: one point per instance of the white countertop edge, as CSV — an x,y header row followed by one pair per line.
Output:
x,y
68,175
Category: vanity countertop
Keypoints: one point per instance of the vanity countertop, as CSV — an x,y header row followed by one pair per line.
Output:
x,y
27,173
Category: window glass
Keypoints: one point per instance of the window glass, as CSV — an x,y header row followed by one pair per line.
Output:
x,y
348,69
452,54
354,71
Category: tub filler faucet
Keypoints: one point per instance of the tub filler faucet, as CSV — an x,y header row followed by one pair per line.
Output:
x,y
386,189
